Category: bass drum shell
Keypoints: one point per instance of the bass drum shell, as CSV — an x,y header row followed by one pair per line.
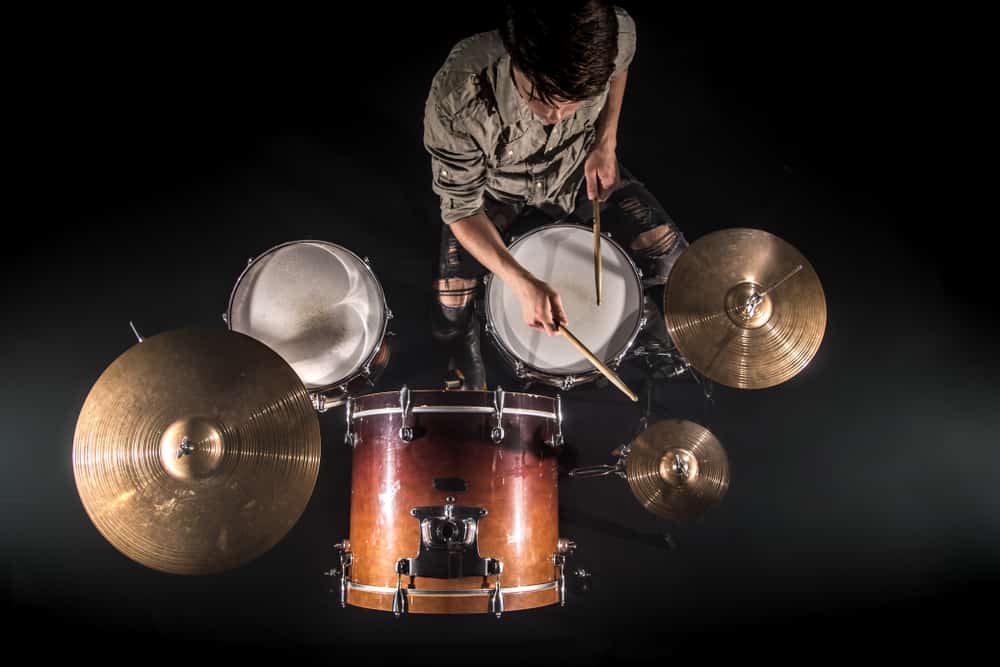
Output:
x,y
516,482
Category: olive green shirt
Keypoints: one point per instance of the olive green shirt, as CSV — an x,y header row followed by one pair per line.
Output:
x,y
484,140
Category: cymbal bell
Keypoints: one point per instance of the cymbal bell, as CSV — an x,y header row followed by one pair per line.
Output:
x,y
745,308
196,451
677,469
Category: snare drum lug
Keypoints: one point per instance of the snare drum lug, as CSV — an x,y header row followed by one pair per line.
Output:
x,y
367,261
568,382
346,561
249,261
388,314
519,370
225,318
497,433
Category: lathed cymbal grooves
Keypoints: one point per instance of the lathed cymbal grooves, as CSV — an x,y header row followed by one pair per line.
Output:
x,y
677,469
745,308
196,451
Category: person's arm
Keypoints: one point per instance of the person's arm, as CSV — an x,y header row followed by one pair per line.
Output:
x,y
541,307
601,169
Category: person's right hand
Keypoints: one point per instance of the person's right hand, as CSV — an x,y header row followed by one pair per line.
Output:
x,y
541,307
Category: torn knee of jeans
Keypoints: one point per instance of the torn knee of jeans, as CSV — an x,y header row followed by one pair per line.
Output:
x,y
635,209
452,259
655,242
456,292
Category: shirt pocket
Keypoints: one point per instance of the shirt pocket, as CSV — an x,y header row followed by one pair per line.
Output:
x,y
511,147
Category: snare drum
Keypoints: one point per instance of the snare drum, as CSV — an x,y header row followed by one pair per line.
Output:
x,y
321,308
454,503
563,256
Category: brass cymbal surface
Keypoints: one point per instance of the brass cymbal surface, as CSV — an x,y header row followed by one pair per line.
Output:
x,y
745,308
677,469
196,451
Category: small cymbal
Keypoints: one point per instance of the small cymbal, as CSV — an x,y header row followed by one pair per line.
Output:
x,y
745,308
677,469
196,451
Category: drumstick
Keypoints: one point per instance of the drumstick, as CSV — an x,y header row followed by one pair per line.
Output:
x,y
597,249
608,373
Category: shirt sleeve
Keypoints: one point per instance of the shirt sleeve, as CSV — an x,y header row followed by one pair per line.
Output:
x,y
626,42
458,165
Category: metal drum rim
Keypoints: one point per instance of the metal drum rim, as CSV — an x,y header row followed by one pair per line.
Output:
x,y
384,319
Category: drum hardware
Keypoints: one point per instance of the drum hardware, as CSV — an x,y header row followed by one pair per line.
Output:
x,y
349,433
557,438
564,548
182,477
745,308
343,549
449,543
496,435
406,417
138,336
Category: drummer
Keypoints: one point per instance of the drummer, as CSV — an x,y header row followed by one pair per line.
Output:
x,y
522,122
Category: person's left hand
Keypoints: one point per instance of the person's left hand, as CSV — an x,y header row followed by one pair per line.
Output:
x,y
601,171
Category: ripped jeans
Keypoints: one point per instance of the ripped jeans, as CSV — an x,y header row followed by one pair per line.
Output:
x,y
631,215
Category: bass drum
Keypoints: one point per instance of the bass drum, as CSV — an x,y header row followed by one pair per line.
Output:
x,y
454,503
321,308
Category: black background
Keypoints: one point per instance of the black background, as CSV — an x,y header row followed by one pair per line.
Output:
x,y
158,152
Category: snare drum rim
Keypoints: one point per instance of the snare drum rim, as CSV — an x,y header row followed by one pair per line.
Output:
x,y
533,372
364,368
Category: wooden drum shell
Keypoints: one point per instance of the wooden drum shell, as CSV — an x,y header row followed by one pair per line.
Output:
x,y
516,481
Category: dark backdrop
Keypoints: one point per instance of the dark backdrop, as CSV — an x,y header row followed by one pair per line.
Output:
x,y
160,151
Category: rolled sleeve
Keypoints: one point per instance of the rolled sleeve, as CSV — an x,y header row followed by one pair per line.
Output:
x,y
626,42
458,165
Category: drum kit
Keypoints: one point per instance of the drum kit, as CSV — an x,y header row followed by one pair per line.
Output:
x,y
197,450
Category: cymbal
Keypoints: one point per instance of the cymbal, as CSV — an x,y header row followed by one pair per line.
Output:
x,y
677,469
196,451
745,308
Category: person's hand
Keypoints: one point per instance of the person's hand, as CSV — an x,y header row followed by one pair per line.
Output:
x,y
541,307
601,171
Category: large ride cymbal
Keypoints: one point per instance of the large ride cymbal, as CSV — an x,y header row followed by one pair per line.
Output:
x,y
745,308
677,469
196,451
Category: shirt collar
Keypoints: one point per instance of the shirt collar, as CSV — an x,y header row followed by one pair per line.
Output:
x,y
509,103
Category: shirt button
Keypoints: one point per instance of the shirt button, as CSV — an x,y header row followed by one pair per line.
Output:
x,y
538,184
510,153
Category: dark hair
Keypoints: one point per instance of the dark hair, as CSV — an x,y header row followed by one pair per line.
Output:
x,y
565,48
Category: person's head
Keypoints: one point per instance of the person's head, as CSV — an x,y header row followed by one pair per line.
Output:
x,y
562,52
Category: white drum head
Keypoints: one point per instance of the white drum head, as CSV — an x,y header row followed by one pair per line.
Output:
x,y
563,256
314,303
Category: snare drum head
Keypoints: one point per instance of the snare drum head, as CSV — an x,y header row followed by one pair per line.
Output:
x,y
563,256
314,303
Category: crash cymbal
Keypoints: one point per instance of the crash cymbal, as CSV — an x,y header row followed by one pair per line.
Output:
x,y
745,308
196,451
677,469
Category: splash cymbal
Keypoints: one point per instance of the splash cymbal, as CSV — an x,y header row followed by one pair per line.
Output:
x,y
745,308
196,451
677,469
